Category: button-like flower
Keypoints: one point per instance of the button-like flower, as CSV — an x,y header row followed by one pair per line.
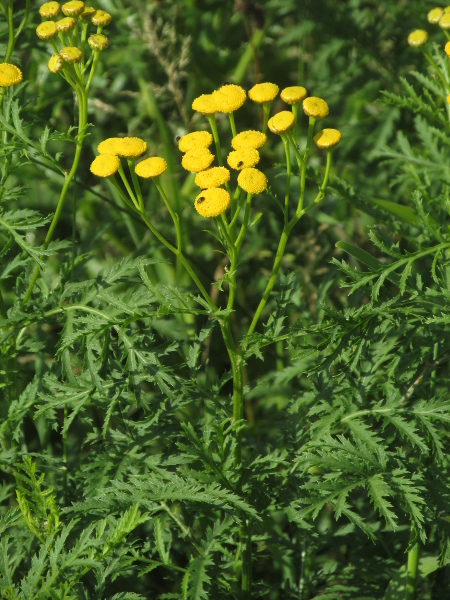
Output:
x,y
101,18
88,13
315,107
249,139
444,23
49,9
151,167
109,146
205,104
73,8
434,15
46,30
212,202
281,122
9,75
66,24
212,178
98,41
293,94
131,147
229,98
263,92
55,63
196,139
327,138
418,37
197,159
105,165
243,158
252,181
70,54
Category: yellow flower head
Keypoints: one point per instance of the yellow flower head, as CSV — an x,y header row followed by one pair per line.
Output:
x,y
315,107
151,167
281,122
434,15
249,139
447,9
70,54
66,24
73,9
212,178
131,147
263,92
252,181
101,18
243,158
327,138
418,37
109,146
197,159
88,13
447,48
49,9
205,104
212,202
293,94
98,41
55,63
196,139
105,165
229,98
444,23
9,75
46,30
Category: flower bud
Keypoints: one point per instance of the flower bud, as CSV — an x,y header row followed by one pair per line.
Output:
x,y
55,63
99,42
70,54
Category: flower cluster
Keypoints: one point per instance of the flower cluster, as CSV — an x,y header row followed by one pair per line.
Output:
x,y
112,149
66,29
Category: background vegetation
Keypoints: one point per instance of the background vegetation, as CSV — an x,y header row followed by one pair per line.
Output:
x,y
345,463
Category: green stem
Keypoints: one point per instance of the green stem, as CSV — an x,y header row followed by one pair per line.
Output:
x,y
435,68
213,125
412,565
246,583
244,225
233,124
134,179
173,214
128,188
288,176
266,112
11,40
94,64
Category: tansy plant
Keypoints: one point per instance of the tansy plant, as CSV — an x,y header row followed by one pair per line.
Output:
x,y
229,196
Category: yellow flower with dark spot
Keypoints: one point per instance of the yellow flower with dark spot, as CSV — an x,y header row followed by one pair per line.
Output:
x,y
212,202
243,158
55,63
46,30
9,75
212,178
249,139
434,15
281,122
49,9
73,8
205,104
263,92
131,147
66,24
315,107
252,181
101,18
196,139
70,54
109,146
197,159
98,41
419,37
327,138
105,165
88,13
229,98
151,167
293,94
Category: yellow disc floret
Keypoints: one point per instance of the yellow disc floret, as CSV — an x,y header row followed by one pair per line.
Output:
x,y
197,159
249,139
55,63
49,9
196,139
105,165
243,158
66,24
229,98
263,92
46,30
212,178
131,147
281,122
315,107
252,181
98,41
73,9
212,202
9,75
205,104
327,138
419,37
88,13
444,23
434,15
293,94
151,167
101,18
109,146
70,54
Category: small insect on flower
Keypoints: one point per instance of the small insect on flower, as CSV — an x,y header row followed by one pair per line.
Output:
x,y
240,163
212,202
201,199
242,158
